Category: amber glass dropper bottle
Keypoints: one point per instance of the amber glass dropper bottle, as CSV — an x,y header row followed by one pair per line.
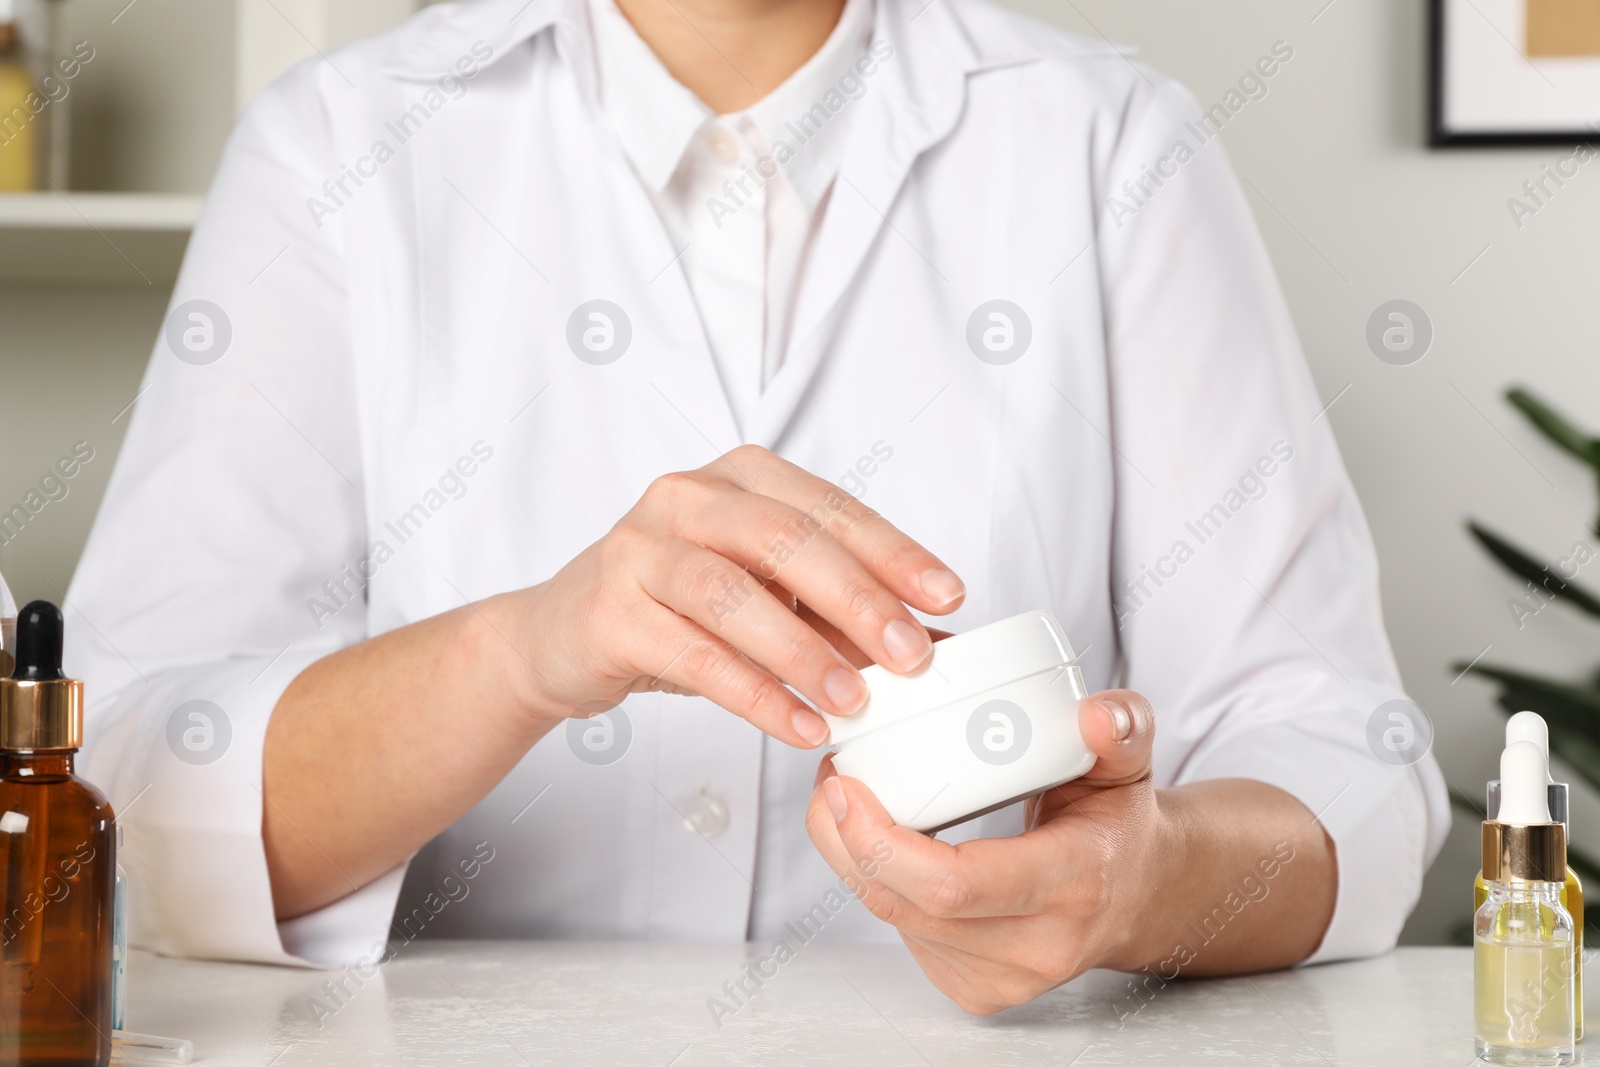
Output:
x,y
57,865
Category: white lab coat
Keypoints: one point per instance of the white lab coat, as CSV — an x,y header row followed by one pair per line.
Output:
x,y
399,400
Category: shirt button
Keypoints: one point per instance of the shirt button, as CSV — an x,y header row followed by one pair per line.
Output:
x,y
705,813
723,145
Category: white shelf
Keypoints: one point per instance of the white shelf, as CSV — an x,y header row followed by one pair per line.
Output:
x,y
107,211
94,238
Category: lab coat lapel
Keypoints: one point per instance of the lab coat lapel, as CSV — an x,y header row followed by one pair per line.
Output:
x,y
862,196
914,105
911,106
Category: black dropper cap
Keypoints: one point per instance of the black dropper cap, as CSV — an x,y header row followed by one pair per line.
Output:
x,y
41,709
39,629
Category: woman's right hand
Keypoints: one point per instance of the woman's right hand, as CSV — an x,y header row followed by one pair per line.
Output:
x,y
706,586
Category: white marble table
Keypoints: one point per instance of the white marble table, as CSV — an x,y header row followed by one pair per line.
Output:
x,y
536,1003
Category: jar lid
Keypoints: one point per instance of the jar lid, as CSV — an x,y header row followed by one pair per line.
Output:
x,y
963,666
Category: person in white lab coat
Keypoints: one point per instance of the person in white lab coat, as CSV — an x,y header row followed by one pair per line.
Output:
x,y
513,346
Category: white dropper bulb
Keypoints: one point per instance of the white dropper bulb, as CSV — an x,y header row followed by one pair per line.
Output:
x,y
1529,726
1524,775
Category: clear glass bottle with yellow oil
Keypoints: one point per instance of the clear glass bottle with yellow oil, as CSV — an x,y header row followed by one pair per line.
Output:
x,y
1524,940
1528,726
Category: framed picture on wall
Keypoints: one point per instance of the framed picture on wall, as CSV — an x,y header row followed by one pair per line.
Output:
x,y
1516,72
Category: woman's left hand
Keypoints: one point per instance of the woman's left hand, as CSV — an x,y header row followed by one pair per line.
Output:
x,y
997,922
1110,872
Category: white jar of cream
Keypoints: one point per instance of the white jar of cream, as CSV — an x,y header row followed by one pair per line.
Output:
x,y
991,719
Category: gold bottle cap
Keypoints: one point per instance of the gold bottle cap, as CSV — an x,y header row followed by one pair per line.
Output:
x,y
41,716
41,710
1536,852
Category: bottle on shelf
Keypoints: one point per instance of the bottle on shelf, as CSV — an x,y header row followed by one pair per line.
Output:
x,y
19,133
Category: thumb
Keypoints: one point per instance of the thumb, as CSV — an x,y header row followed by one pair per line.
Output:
x,y
1119,727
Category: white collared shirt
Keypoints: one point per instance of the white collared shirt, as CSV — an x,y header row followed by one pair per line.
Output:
x,y
450,347
740,194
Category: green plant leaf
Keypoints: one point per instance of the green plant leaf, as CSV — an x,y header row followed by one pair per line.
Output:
x,y
1572,711
1584,699
1595,529
1578,750
1526,567
1556,427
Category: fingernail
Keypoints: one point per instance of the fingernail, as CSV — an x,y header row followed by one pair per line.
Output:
x,y
1121,721
838,803
809,725
846,691
942,587
906,645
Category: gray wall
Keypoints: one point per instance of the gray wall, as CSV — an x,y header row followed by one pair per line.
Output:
x,y
1355,212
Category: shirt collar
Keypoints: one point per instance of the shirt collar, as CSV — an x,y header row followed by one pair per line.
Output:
x,y
804,123
442,35
654,115
935,44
